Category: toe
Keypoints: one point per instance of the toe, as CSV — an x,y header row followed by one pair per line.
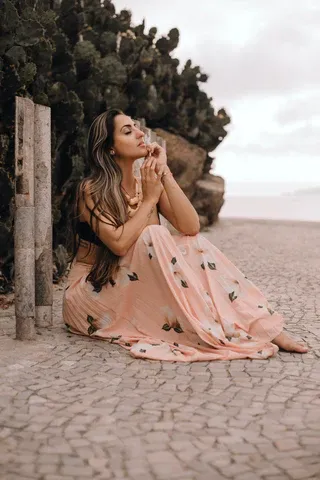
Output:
x,y
302,348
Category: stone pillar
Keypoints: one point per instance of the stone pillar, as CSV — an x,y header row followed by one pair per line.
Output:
x,y
43,222
24,220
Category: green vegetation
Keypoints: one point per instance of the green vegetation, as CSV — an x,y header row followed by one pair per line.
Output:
x,y
80,57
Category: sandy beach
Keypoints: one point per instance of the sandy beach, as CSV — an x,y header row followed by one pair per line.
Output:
x,y
73,408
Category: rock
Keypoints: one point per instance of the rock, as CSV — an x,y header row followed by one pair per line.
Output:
x,y
186,160
208,197
190,165
60,262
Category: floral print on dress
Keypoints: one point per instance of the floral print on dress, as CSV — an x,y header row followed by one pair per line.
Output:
x,y
204,253
172,308
231,286
150,249
177,273
211,327
125,276
170,320
209,308
270,311
92,327
182,249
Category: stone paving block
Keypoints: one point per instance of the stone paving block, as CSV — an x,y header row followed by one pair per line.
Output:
x,y
235,469
84,471
286,444
305,473
46,469
288,463
77,408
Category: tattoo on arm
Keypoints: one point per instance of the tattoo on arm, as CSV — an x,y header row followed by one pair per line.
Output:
x,y
150,213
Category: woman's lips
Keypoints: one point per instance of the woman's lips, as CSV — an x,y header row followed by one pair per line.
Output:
x,y
142,144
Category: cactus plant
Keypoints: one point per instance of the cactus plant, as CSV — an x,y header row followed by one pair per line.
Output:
x,y
80,57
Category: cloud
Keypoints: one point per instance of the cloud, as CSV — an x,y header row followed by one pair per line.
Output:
x,y
262,61
294,110
280,59
302,140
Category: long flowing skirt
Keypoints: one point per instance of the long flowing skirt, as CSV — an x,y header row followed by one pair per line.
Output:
x,y
174,298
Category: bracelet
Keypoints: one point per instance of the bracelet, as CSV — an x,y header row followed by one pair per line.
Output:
x,y
166,173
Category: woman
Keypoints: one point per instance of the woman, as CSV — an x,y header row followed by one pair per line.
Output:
x,y
160,296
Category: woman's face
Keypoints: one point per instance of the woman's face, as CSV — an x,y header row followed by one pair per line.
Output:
x,y
128,139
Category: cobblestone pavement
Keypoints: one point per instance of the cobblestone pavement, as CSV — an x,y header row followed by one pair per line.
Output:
x,y
74,408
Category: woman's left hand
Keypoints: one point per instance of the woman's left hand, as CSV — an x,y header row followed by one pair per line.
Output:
x,y
159,153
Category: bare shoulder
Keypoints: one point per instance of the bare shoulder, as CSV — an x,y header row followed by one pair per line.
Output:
x,y
84,197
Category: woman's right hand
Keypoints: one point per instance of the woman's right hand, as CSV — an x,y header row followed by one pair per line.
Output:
x,y
151,182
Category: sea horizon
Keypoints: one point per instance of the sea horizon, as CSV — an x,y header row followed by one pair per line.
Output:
x,y
271,201
258,188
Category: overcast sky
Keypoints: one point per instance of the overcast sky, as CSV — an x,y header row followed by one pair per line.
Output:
x,y
262,58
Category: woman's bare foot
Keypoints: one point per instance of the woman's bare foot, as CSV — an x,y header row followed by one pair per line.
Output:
x,y
285,342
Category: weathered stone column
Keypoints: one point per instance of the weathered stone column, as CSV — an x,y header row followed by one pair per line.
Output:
x,y
43,222
24,220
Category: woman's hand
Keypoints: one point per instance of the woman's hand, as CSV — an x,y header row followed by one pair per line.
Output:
x,y
159,153
150,180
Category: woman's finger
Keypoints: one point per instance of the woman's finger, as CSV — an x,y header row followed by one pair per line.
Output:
x,y
142,173
149,148
153,163
156,149
150,170
148,161
160,170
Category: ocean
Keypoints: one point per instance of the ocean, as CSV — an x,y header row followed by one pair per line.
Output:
x,y
272,201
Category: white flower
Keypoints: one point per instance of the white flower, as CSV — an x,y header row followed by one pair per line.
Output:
x,y
105,321
207,325
231,286
212,327
177,273
168,312
199,244
234,333
170,319
125,276
182,249
142,347
94,291
206,255
209,303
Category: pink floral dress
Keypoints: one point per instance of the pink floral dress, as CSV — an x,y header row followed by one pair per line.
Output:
x,y
176,298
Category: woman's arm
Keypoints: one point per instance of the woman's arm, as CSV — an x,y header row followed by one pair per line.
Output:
x,y
120,239
176,207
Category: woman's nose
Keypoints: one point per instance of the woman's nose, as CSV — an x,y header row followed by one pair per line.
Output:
x,y
140,133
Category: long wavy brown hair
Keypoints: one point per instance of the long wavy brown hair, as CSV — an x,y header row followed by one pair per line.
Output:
x,y
104,186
